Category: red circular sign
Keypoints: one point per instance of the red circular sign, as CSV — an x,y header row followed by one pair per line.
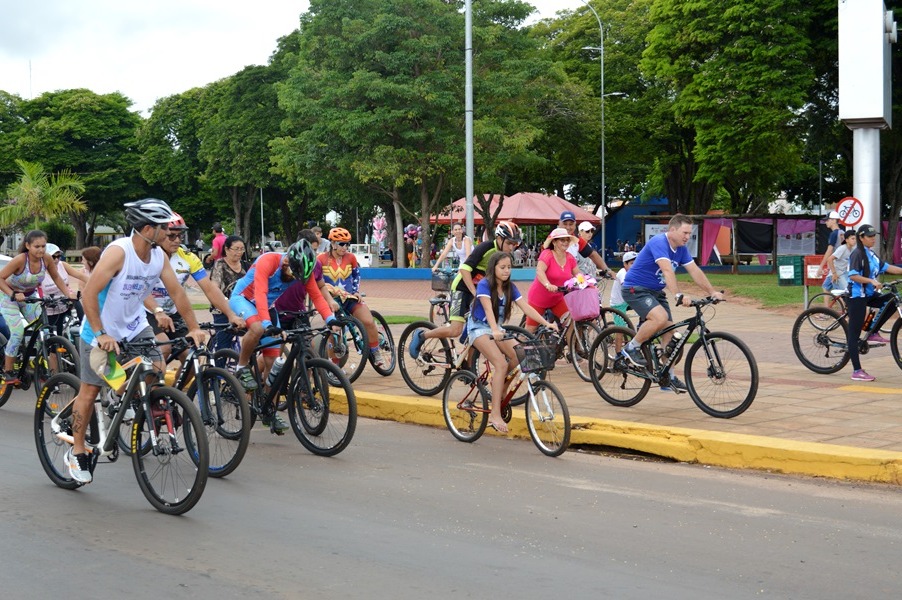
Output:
x,y
850,210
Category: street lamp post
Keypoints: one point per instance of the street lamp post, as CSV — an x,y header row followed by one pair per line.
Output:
x,y
604,207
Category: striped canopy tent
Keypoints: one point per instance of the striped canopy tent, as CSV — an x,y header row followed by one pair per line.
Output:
x,y
525,208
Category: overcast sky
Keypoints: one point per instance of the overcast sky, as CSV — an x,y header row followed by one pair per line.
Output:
x,y
145,50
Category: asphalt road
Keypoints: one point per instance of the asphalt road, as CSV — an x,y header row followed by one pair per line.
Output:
x,y
408,512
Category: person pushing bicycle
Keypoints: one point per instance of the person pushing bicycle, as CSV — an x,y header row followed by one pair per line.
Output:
x,y
646,284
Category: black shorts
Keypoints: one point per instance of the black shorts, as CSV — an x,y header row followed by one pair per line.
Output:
x,y
643,300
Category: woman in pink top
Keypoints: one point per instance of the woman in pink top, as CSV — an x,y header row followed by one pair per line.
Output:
x,y
555,266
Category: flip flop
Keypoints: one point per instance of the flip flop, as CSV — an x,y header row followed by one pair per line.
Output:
x,y
498,428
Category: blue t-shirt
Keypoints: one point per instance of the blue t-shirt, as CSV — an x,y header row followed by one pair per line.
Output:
x,y
477,312
646,273
856,267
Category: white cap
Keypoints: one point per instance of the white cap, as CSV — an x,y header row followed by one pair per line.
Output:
x,y
628,256
586,226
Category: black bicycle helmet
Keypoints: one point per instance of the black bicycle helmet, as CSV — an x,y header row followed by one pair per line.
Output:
x,y
301,259
148,211
508,230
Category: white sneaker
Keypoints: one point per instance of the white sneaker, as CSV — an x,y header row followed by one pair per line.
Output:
x,y
78,467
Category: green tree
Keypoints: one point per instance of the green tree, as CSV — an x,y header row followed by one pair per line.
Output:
x,y
39,195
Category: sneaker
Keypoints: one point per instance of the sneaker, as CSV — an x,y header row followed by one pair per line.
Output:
x,y
280,426
416,342
876,338
10,378
246,378
634,356
675,385
79,467
861,375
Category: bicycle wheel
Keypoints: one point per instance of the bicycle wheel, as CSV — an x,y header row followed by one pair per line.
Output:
x,y
548,419
347,349
386,345
226,415
54,401
323,421
606,316
465,406
615,378
61,357
173,474
819,340
429,372
5,390
584,334
722,375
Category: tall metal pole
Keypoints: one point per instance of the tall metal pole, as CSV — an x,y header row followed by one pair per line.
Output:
x,y
604,203
468,111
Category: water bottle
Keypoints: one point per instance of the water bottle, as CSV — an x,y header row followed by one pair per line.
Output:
x,y
274,372
671,346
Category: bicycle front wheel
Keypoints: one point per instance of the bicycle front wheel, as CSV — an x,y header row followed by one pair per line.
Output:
x,y
348,349
548,419
54,402
173,473
429,372
386,346
465,406
226,415
819,340
615,378
721,375
323,421
584,334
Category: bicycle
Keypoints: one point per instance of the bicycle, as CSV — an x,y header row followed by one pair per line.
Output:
x,y
40,355
819,335
323,423
465,402
720,371
168,444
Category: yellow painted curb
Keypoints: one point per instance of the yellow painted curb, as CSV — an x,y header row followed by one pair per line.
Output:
x,y
731,450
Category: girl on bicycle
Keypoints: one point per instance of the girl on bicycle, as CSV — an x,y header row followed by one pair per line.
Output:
x,y
495,295
19,281
458,244
554,267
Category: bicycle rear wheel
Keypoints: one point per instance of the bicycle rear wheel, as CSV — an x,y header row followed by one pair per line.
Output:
x,y
173,474
584,334
548,419
386,346
429,372
819,340
348,349
226,415
465,406
54,399
323,421
613,375
722,376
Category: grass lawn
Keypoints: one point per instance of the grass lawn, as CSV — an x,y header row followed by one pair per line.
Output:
x,y
761,287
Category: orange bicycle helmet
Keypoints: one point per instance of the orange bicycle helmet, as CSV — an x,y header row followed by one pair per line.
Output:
x,y
339,234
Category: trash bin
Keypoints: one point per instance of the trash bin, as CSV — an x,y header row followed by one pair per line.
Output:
x,y
789,270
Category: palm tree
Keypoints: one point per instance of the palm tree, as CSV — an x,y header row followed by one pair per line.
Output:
x,y
40,196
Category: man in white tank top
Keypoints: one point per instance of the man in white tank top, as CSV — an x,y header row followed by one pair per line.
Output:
x,y
113,302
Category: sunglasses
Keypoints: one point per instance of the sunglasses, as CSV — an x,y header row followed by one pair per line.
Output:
x,y
342,244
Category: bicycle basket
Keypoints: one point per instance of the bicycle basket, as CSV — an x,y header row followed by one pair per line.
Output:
x,y
535,355
583,304
441,281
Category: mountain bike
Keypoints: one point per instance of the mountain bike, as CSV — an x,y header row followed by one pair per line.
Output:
x,y
41,355
465,402
169,450
720,371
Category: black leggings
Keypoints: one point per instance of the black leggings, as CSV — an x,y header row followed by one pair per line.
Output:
x,y
857,310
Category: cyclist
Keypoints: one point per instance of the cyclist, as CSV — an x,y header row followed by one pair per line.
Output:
x,y
162,315
463,288
341,274
580,247
114,310
254,295
20,279
646,283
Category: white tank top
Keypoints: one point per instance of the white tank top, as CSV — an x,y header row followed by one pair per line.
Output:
x,y
122,300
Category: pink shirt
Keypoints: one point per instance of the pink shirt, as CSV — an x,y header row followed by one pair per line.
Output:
x,y
540,298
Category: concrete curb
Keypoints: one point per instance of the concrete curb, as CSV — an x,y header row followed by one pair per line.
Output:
x,y
732,450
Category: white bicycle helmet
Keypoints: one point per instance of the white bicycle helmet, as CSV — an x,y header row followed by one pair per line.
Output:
x,y
149,211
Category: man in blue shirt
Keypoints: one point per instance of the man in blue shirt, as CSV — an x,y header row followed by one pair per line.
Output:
x,y
654,273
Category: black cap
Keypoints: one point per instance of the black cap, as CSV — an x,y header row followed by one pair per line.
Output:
x,y
867,231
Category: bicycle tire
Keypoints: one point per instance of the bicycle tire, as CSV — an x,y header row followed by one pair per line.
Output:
x,y
55,397
172,476
5,390
323,423
606,317
62,357
548,419
615,379
584,333
465,406
352,354
386,345
726,384
429,373
226,415
821,347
